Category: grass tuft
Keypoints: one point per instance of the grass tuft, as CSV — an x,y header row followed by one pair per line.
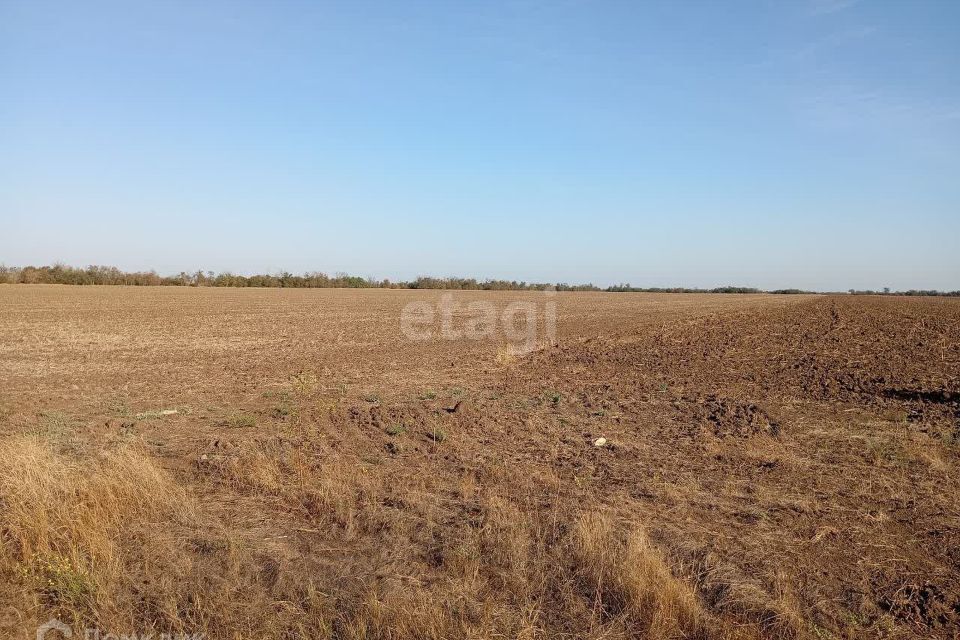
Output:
x,y
631,579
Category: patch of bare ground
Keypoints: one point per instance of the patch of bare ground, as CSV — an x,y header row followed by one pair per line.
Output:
x,y
773,468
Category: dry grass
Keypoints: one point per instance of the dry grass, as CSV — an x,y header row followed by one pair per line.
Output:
x,y
112,542
77,531
631,580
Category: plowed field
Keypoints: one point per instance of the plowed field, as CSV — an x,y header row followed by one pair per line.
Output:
x,y
289,464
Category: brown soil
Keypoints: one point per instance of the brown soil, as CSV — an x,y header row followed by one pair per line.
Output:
x,y
787,465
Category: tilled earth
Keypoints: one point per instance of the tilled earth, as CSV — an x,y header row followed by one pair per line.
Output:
x,y
795,458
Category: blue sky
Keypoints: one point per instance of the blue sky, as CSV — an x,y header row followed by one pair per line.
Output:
x,y
813,144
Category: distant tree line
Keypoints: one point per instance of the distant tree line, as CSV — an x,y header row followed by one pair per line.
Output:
x,y
424,282
62,274
728,289
910,292
100,275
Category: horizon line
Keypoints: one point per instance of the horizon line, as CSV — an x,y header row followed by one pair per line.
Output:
x,y
105,275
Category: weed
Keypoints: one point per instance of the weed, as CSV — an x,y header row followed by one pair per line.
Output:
x,y
437,435
241,420
951,438
303,381
395,430
54,424
118,407
820,632
328,406
886,451
896,415
62,581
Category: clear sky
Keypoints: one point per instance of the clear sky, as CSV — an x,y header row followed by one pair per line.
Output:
x,y
813,144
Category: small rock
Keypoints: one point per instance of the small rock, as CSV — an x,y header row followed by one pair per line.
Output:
x,y
600,442
168,412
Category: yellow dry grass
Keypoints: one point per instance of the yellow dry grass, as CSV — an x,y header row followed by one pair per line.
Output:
x,y
632,580
105,541
76,530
